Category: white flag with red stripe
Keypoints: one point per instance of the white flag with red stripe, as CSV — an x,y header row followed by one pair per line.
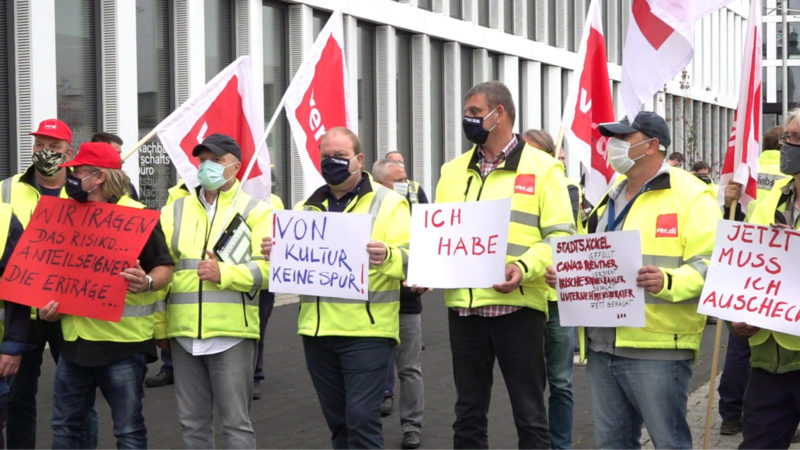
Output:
x,y
318,99
226,105
741,159
589,104
659,44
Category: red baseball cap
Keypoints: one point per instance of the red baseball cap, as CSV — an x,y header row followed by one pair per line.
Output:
x,y
96,154
54,128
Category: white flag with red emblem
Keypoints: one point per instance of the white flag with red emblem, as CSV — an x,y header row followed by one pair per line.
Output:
x,y
659,44
225,105
589,104
741,159
318,99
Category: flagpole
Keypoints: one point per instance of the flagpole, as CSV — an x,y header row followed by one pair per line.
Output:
x,y
559,141
141,142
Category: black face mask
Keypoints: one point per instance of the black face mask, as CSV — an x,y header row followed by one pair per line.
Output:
x,y
74,188
790,158
335,170
473,128
704,178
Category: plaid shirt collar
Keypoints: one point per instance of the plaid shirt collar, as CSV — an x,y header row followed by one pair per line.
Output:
x,y
486,165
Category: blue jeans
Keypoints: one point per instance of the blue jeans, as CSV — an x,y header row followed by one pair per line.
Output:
x,y
516,341
628,392
73,397
558,354
349,375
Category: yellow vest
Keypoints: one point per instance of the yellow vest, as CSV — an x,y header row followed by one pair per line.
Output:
x,y
6,214
205,309
136,324
671,318
379,315
769,175
540,211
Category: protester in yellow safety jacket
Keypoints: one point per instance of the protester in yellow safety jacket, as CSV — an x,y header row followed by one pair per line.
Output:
x,y
769,418
642,373
349,344
211,318
181,190
52,146
14,317
97,353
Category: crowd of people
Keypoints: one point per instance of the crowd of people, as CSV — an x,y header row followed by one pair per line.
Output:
x,y
207,314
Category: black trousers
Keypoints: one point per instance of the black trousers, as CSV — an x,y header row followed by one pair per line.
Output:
x,y
771,409
516,341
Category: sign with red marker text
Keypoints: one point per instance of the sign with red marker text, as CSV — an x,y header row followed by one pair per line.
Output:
x,y
320,253
73,253
458,245
753,277
596,279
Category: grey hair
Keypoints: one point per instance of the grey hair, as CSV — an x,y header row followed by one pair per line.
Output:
x,y
496,93
380,170
792,115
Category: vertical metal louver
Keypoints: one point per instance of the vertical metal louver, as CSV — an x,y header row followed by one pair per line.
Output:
x,y
404,105
299,28
385,90
452,100
6,102
421,99
181,39
22,60
108,69
241,13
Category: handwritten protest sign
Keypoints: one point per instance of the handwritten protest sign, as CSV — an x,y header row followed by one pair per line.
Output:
x,y
318,253
753,277
73,253
458,245
596,279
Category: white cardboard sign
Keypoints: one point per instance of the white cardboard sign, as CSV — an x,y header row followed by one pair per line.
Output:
x,y
753,277
458,245
596,279
320,253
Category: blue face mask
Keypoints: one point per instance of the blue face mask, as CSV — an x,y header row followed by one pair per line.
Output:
x,y
473,128
210,175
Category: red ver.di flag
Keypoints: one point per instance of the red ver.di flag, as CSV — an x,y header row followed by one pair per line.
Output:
x,y
318,99
226,105
73,253
589,104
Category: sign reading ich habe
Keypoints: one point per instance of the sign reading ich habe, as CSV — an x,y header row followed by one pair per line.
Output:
x,y
458,245
596,279
73,253
753,277
320,253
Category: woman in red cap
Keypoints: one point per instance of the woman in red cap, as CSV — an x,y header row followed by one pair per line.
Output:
x,y
110,355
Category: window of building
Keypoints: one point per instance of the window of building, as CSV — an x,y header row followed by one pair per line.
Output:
x,y
366,92
437,109
76,67
318,20
483,13
276,64
531,19
8,160
508,16
404,90
494,66
455,9
467,80
425,4
155,102
219,36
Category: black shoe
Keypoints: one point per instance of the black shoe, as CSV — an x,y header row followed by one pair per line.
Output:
x,y
256,389
159,379
411,439
730,428
387,406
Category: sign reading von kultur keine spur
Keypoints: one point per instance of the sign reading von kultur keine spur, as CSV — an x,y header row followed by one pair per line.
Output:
x,y
753,277
320,253
596,279
458,245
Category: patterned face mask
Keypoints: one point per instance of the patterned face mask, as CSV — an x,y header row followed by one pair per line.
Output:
x,y
47,161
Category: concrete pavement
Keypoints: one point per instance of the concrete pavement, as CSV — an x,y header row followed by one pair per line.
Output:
x,y
288,414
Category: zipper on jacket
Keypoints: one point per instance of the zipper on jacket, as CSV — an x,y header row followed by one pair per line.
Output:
x,y
470,297
369,313
244,309
521,292
319,319
199,281
676,341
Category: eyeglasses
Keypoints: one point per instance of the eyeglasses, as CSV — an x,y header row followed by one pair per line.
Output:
x,y
792,138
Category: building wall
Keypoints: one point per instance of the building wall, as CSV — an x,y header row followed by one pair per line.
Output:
x,y
410,62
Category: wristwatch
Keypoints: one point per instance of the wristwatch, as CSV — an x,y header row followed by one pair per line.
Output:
x,y
149,283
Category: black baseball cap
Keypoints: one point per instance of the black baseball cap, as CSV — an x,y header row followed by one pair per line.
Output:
x,y
219,144
646,122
